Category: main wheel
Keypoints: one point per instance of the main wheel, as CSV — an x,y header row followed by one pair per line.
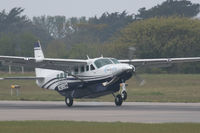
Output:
x,y
69,101
118,100
124,95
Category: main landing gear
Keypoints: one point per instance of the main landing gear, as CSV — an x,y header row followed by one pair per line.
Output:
x,y
69,101
121,97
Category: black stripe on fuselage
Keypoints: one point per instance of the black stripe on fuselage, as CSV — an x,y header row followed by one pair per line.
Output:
x,y
56,82
78,81
86,79
49,82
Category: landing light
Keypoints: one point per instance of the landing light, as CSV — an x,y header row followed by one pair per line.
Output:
x,y
122,84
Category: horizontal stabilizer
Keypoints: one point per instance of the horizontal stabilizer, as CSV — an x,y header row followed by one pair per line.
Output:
x,y
22,78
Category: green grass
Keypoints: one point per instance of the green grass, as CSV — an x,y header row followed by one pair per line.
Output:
x,y
95,127
158,88
28,91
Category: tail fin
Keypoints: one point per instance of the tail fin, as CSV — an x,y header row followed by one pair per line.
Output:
x,y
42,74
39,56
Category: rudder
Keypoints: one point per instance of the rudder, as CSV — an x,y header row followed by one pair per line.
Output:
x,y
38,53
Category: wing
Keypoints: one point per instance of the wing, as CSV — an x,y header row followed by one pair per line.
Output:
x,y
160,62
48,63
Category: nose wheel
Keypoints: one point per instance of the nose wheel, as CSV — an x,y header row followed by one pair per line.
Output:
x,y
69,101
118,100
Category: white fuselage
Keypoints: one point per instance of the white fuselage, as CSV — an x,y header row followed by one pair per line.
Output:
x,y
88,73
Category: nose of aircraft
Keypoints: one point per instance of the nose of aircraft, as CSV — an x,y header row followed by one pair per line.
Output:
x,y
126,68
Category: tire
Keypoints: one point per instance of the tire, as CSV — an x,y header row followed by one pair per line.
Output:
x,y
118,100
69,101
124,95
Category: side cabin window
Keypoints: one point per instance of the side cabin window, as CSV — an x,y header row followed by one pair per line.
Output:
x,y
65,75
82,69
87,68
76,70
58,76
62,75
92,67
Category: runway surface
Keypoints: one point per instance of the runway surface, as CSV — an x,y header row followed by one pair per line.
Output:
x,y
100,111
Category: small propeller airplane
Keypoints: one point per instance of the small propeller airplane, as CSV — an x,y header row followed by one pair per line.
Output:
x,y
91,78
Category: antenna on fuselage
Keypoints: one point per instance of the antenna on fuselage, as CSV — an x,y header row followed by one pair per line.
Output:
x,y
88,57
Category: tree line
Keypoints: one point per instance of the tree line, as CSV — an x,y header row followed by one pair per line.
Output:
x,y
166,30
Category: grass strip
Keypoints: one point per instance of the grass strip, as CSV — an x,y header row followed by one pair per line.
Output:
x,y
95,127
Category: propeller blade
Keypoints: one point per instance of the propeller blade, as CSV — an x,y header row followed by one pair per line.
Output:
x,y
131,52
139,79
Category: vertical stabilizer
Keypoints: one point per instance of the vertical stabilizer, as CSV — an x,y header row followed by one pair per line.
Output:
x,y
47,74
39,56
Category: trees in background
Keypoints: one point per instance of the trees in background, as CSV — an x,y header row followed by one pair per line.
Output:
x,y
159,38
13,21
78,30
153,32
17,33
183,8
56,49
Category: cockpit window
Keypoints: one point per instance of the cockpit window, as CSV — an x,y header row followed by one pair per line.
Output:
x,y
102,62
114,61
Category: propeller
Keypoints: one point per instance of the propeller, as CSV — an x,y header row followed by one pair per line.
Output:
x,y
137,77
131,53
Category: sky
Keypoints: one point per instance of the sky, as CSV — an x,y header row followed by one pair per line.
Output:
x,y
78,8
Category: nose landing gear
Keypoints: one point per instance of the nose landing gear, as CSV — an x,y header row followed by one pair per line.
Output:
x,y
124,92
118,100
121,97
124,95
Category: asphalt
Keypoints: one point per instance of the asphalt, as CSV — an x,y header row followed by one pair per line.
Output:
x,y
100,111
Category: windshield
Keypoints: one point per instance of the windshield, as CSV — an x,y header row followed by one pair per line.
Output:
x,y
115,61
102,62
